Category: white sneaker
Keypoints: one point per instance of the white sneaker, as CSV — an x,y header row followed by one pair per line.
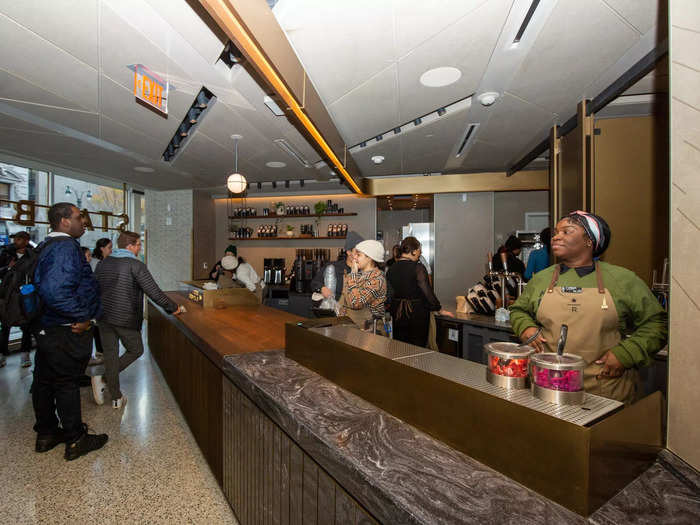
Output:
x,y
119,403
26,362
98,389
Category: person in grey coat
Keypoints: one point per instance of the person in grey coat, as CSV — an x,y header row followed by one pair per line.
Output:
x,y
123,280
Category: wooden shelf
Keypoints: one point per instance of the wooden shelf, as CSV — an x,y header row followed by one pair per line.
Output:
x,y
311,216
285,238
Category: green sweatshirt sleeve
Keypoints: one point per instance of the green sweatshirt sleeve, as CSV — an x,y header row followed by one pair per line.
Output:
x,y
641,314
523,311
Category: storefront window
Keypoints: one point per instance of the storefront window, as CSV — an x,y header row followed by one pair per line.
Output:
x,y
93,197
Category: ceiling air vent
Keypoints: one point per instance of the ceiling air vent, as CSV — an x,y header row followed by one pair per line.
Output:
x,y
468,139
526,21
204,100
292,152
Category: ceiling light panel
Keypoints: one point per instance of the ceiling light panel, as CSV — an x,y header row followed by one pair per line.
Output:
x,y
22,50
321,41
568,32
466,45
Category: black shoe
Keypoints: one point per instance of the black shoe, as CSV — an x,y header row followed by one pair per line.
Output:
x,y
84,444
45,442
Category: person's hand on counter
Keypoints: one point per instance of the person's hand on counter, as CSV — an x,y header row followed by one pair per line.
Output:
x,y
538,343
611,365
446,313
326,292
180,310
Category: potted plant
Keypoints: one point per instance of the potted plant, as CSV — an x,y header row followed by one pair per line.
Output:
x,y
290,230
320,208
279,207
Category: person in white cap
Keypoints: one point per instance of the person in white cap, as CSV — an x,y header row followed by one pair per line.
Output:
x,y
365,292
226,273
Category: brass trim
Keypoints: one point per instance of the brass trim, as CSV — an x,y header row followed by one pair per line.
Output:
x,y
229,18
457,183
554,170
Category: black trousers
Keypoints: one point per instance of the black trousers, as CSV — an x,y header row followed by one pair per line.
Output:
x,y
412,328
5,339
60,361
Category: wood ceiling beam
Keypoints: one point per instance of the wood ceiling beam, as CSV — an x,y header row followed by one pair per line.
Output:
x,y
252,27
457,183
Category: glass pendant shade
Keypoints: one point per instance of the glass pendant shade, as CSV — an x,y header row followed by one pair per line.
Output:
x,y
236,183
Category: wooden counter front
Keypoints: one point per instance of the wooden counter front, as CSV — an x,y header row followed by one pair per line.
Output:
x,y
190,350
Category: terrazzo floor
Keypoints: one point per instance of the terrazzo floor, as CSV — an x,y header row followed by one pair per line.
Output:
x,y
150,471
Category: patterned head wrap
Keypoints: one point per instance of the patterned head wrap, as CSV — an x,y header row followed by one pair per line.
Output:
x,y
596,228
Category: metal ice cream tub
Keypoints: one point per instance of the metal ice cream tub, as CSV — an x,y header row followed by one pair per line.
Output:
x,y
557,378
507,365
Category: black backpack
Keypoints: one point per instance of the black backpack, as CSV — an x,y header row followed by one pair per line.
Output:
x,y
20,304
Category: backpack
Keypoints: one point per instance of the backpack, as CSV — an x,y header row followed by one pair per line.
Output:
x,y
20,304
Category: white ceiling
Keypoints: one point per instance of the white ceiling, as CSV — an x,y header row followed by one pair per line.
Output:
x,y
66,91
66,94
366,57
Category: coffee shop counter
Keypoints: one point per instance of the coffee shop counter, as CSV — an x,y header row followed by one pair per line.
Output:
x,y
348,461
190,351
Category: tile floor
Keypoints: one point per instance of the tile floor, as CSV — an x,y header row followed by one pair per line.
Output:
x,y
150,471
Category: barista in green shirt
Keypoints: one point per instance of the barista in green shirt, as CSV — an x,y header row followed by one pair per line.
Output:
x,y
615,322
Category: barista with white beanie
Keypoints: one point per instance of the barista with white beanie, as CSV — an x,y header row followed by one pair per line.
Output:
x,y
364,293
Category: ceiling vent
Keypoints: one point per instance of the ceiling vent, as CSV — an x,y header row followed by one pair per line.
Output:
x,y
202,103
231,55
468,139
526,21
292,152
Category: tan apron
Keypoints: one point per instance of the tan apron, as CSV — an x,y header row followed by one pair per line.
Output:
x,y
362,317
592,318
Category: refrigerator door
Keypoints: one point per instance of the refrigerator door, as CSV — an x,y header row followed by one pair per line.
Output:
x,y
425,233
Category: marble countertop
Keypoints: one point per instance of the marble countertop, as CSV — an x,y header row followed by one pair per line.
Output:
x,y
402,475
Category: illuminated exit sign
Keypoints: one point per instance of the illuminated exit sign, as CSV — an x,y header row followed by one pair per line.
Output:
x,y
150,88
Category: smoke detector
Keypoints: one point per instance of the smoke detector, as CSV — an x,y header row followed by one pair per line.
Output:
x,y
377,159
488,98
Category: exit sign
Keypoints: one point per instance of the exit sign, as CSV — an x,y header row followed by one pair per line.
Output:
x,y
150,88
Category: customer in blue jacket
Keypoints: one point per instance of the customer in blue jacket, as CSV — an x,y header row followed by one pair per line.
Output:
x,y
71,300
539,259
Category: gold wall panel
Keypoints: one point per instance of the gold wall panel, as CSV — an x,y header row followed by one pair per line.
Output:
x,y
457,183
631,190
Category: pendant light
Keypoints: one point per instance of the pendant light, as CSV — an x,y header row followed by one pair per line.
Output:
x,y
236,182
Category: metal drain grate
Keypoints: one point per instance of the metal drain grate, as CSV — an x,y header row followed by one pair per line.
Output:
x,y
473,375
467,373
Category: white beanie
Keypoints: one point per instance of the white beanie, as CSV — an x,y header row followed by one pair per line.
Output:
x,y
372,249
229,262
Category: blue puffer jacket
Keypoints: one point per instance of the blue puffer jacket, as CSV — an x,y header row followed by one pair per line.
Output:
x,y
66,285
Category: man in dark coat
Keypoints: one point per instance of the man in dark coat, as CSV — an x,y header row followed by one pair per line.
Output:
x,y
71,299
123,280
9,256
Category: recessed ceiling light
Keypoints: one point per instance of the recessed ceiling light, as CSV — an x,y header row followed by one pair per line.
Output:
x,y
144,169
275,164
378,159
440,76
